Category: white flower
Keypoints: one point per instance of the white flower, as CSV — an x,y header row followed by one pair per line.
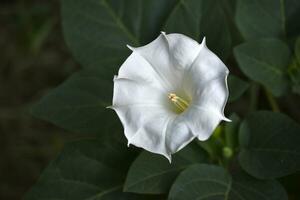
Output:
x,y
169,92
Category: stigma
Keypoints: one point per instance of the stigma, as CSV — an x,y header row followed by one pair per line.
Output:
x,y
179,102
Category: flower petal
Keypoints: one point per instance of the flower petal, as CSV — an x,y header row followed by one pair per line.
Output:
x,y
129,92
201,122
206,82
213,96
157,55
178,134
182,49
206,66
145,126
138,69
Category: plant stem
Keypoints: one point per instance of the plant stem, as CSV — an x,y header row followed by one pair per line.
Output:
x,y
272,101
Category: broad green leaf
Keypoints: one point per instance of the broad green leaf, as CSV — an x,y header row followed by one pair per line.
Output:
x,y
292,16
237,87
294,68
265,61
215,183
272,18
269,145
153,174
85,170
202,18
79,104
297,49
97,31
259,18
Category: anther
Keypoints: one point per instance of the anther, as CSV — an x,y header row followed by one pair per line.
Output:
x,y
180,103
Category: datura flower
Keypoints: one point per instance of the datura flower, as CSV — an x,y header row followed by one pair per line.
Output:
x,y
169,92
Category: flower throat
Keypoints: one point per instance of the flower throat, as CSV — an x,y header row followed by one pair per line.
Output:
x,y
179,102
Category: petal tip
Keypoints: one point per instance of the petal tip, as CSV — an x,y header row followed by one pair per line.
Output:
x,y
226,119
130,47
169,157
110,107
203,43
203,137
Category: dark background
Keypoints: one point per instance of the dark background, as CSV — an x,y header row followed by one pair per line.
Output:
x,y
34,59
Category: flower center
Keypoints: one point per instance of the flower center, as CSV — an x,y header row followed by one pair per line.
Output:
x,y
179,102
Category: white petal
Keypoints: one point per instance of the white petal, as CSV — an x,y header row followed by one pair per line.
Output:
x,y
206,81
157,55
213,95
129,92
178,134
138,69
182,49
206,66
146,126
201,122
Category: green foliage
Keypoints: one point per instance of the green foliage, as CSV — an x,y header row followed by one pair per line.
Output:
x,y
200,18
97,32
86,169
79,104
265,61
212,182
153,174
236,87
259,18
270,145
294,68
268,18
231,131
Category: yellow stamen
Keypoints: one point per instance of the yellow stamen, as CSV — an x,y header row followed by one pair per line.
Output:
x,y
179,102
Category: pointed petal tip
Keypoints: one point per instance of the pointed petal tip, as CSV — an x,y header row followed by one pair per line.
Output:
x,y
226,119
203,138
110,107
128,144
169,157
163,32
203,43
130,47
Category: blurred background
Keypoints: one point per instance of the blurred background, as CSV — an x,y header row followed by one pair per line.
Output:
x,y
34,59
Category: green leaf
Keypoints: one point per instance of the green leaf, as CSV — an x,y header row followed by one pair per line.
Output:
x,y
79,104
292,15
199,18
265,61
97,31
269,145
294,68
213,182
272,18
153,174
231,131
86,169
297,49
237,87
259,18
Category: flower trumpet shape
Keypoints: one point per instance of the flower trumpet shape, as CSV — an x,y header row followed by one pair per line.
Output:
x,y
169,92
